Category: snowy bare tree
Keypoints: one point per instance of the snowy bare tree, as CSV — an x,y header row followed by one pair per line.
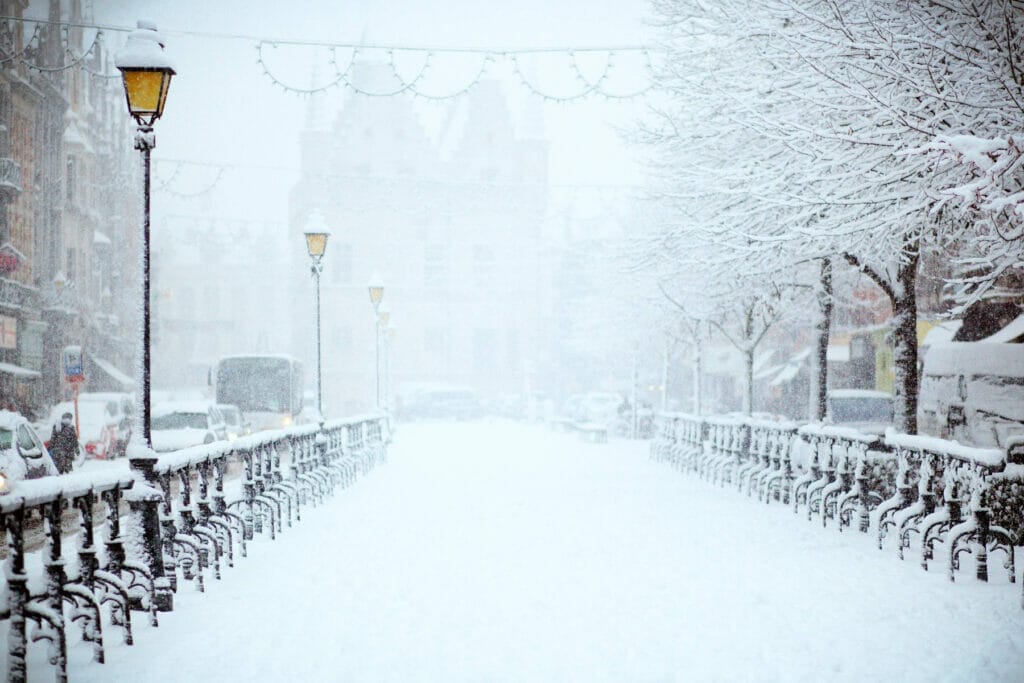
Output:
x,y
789,123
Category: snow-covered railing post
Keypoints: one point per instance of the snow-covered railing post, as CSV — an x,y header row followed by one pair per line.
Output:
x,y
17,595
144,502
45,500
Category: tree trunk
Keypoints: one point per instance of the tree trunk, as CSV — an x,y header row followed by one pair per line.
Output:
x,y
904,304
819,365
748,390
697,372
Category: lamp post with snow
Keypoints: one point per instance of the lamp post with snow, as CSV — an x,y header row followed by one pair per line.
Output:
x,y
146,71
316,244
376,290
383,318
389,338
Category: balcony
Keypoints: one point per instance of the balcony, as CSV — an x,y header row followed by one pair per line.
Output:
x,y
10,179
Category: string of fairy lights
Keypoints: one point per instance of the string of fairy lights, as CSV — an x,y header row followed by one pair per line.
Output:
x,y
342,57
408,71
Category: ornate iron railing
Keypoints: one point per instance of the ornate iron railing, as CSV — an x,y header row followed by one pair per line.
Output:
x,y
211,501
916,492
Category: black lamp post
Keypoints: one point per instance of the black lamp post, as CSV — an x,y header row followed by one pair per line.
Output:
x,y
376,290
147,75
316,244
147,72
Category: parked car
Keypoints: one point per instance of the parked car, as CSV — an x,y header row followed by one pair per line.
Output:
x,y
22,453
973,392
97,428
451,403
599,407
121,407
235,422
867,411
178,425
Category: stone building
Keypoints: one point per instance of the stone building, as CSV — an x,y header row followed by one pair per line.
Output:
x,y
452,221
69,206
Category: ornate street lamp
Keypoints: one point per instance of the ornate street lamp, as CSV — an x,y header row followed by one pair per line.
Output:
x,y
147,72
376,290
316,244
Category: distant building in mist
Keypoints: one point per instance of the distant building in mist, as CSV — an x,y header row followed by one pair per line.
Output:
x,y
453,224
215,285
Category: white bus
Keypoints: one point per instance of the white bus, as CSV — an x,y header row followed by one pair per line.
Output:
x,y
266,387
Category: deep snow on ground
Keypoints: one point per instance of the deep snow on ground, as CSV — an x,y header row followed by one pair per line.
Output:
x,y
495,551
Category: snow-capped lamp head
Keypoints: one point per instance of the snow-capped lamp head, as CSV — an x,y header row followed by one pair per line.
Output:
x,y
316,234
146,70
376,289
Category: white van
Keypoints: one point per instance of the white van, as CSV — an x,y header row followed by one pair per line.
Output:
x,y
973,392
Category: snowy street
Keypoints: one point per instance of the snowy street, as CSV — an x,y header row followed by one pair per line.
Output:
x,y
497,551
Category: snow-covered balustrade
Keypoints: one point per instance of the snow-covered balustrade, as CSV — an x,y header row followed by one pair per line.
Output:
x,y
940,477
727,449
68,588
924,492
212,500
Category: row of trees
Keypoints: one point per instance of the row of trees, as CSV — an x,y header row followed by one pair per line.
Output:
x,y
798,139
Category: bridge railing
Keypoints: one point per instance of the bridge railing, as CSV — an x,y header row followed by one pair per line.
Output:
x,y
916,493
209,502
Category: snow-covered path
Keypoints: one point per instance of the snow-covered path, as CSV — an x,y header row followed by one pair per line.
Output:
x,y
493,551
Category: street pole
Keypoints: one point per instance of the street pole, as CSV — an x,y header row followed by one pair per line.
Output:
x,y
319,376
147,73
377,326
145,141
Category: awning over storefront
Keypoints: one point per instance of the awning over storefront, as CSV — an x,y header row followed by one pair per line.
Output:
x,y
124,380
18,371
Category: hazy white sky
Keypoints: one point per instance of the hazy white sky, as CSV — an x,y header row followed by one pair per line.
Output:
x,y
222,109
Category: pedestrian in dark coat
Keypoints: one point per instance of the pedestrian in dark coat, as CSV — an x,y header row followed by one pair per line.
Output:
x,y
64,444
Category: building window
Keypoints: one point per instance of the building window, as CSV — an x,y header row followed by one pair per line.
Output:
x,y
483,349
70,179
435,266
435,341
342,338
341,272
512,348
483,266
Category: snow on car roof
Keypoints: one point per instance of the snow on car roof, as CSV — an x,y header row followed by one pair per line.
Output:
x,y
102,396
9,420
858,393
180,407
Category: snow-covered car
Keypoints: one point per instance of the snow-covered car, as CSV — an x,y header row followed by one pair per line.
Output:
x,y
234,421
599,407
97,428
178,425
871,412
973,392
121,408
22,453
445,403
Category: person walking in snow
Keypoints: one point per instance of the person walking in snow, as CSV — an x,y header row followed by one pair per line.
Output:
x,y
64,444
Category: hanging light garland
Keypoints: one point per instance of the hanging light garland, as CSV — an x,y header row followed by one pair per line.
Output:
x,y
381,54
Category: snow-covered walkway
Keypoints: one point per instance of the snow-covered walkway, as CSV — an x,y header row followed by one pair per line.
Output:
x,y
494,551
